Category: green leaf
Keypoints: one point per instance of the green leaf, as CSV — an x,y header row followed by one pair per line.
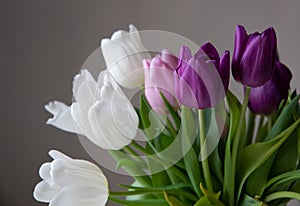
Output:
x,y
283,120
132,169
234,115
209,198
173,201
256,154
250,201
146,202
287,156
167,187
282,181
171,110
152,124
189,130
282,194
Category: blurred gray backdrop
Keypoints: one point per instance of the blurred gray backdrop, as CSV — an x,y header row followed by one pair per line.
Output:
x,y
43,44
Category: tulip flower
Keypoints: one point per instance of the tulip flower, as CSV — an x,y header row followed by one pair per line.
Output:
x,y
254,56
201,81
68,181
266,99
123,54
159,79
101,112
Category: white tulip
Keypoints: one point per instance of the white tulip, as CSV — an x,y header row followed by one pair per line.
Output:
x,y
124,53
71,182
101,112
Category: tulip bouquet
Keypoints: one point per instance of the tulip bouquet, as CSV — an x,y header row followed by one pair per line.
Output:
x,y
198,144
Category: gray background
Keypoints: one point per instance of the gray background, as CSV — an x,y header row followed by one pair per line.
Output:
x,y
43,43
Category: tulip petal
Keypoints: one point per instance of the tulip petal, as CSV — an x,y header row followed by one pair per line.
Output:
x,y
224,70
56,107
79,79
81,121
78,196
44,172
240,43
62,120
115,131
65,174
43,192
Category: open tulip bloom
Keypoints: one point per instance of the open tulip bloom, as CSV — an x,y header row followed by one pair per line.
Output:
x,y
201,146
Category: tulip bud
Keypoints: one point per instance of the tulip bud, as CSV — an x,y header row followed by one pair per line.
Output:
x,y
201,81
68,181
222,64
123,54
254,56
159,79
266,99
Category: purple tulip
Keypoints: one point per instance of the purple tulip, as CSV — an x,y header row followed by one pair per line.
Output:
x,y
159,79
201,81
222,64
266,99
254,56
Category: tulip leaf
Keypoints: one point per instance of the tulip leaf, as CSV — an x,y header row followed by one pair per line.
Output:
x,y
284,118
209,198
188,131
133,169
165,187
256,154
173,201
281,181
144,202
234,115
250,201
172,111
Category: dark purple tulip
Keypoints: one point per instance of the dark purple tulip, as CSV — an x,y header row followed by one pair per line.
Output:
x,y
254,56
266,99
201,81
222,64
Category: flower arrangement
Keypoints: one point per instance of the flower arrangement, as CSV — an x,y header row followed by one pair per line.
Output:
x,y
202,145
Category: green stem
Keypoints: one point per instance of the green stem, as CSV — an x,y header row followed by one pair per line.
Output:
x,y
236,141
250,128
260,124
269,123
171,128
177,172
205,164
133,153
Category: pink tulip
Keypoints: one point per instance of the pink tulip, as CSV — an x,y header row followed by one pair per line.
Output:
x,y
159,79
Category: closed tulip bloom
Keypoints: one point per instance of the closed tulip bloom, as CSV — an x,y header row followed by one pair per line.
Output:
x,y
71,182
222,63
266,99
199,79
123,54
101,112
254,56
159,79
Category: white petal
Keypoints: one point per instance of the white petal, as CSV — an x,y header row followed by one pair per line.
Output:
x,y
63,121
43,192
55,154
118,34
83,77
80,116
103,124
87,94
56,107
44,172
123,55
67,175
79,196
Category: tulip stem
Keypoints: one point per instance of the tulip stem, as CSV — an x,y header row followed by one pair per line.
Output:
x,y
203,148
236,141
269,123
